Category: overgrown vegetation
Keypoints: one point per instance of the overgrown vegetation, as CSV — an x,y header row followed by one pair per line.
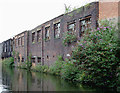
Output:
x,y
8,61
40,68
95,60
97,56
56,68
28,62
69,37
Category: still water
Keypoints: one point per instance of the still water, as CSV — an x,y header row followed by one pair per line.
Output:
x,y
14,79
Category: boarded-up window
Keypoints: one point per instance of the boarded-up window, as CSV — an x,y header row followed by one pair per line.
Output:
x,y
39,36
57,30
33,37
33,60
39,59
85,24
71,27
47,33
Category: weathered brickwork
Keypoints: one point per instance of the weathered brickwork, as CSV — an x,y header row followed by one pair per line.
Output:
x,y
7,48
109,9
20,48
48,49
45,42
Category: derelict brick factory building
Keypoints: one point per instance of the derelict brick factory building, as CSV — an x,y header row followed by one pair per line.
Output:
x,y
44,43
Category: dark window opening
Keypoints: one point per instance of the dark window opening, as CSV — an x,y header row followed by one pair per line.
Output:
x,y
33,37
71,26
39,36
39,59
47,57
57,30
85,25
47,33
33,60
22,59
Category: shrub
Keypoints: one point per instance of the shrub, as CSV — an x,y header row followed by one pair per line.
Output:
x,y
8,61
98,55
69,70
56,68
69,37
40,68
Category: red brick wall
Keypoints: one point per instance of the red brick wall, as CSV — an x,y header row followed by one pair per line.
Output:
x,y
108,9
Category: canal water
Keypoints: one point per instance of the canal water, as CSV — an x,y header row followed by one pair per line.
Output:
x,y
14,79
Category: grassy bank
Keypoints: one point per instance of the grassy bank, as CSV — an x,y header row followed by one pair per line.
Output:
x,y
8,61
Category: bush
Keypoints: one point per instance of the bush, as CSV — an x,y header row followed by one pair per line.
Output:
x,y
69,70
8,61
97,55
69,37
40,68
56,68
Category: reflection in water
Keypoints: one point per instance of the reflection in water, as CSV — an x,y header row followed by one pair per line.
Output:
x,y
22,80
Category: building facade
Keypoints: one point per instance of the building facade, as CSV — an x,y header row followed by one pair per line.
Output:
x,y
20,47
1,49
45,42
7,48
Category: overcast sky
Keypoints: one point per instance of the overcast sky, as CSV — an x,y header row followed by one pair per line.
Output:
x,y
19,15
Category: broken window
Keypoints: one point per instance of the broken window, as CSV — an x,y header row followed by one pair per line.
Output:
x,y
22,59
39,36
47,33
85,24
33,37
47,57
71,27
39,59
33,60
57,30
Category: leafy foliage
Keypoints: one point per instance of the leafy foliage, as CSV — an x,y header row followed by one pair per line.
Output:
x,y
56,68
69,70
8,61
98,55
69,37
40,68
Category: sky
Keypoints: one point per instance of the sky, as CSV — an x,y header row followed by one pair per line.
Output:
x,y
17,16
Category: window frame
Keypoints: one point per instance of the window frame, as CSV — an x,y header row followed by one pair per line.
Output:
x,y
39,59
85,28
39,34
68,26
33,37
33,58
57,29
47,38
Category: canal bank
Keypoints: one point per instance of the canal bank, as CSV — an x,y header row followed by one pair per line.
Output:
x,y
22,80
